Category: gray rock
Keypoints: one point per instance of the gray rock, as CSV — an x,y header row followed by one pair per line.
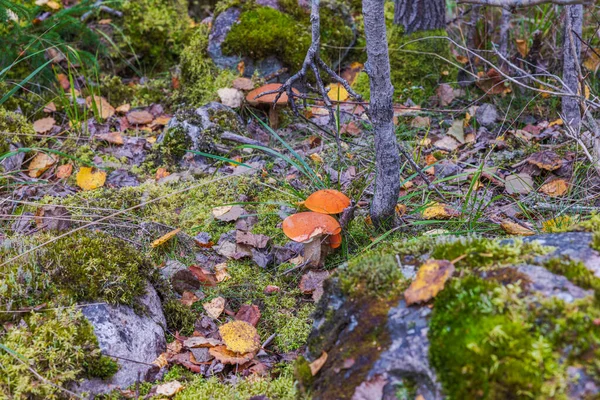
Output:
x,y
486,115
551,285
221,27
133,339
572,245
201,130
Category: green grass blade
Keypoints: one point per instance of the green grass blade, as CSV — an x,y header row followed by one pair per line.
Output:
x,y
12,91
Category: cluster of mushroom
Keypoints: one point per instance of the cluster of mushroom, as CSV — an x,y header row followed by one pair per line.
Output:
x,y
317,229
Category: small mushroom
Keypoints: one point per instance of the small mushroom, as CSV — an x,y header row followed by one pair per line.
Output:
x,y
308,228
266,102
327,201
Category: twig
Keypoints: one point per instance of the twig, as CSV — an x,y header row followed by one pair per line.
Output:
x,y
510,4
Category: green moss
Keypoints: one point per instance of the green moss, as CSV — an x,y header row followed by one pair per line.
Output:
x,y
200,77
59,345
483,347
281,387
264,31
375,272
137,95
180,318
14,128
416,66
156,30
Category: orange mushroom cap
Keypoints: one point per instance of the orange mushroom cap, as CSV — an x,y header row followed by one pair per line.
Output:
x,y
335,241
304,226
327,201
269,98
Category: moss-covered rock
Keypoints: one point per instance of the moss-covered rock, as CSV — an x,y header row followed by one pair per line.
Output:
x,y
417,64
200,77
59,345
155,30
285,34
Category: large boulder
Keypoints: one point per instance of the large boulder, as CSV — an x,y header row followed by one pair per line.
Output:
x,y
134,338
517,316
275,34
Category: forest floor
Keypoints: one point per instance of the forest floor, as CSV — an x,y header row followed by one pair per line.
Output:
x,y
104,188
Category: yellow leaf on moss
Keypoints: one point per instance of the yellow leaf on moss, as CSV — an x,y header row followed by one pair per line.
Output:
x,y
240,337
439,211
337,92
430,280
512,228
90,178
165,238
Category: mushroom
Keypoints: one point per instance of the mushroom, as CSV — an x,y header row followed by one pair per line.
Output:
x,y
266,102
308,228
327,201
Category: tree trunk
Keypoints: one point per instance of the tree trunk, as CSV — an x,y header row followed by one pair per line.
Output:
x,y
381,113
420,15
571,55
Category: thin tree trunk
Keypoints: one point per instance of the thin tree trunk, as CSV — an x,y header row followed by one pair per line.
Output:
x,y
571,55
387,158
504,35
420,15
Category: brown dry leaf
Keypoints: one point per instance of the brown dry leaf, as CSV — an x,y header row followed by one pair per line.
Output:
x,y
447,143
445,94
161,173
316,365
547,160
351,128
555,188
227,213
440,211
258,241
337,92
64,171
205,277
249,313
215,307
188,298
521,183
50,107
350,73
165,238
44,125
400,209
111,137
40,164
90,178
312,283
123,108
161,121
229,357
243,84
169,389
522,47
105,21
221,272
199,341
102,106
512,228
430,280
421,122
161,361
139,117
240,337
492,82
63,81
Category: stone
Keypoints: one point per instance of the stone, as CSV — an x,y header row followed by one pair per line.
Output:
x,y
134,340
231,97
486,115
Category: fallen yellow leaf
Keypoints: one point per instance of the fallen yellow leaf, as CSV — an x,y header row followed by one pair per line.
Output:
x,y
555,188
439,211
165,238
316,365
90,178
40,164
513,228
101,105
337,92
169,389
221,272
430,280
43,125
240,337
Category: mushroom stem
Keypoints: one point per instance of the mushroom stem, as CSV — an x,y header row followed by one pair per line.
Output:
x,y
312,252
273,117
